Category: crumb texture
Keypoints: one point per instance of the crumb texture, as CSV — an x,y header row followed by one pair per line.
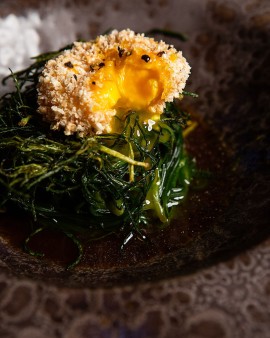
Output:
x,y
84,88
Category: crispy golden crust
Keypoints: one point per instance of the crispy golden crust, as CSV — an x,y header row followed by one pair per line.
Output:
x,y
68,101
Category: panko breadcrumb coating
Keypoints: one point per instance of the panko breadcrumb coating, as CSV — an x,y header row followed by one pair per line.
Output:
x,y
83,89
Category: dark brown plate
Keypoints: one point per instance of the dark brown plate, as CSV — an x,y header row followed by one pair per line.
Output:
x,y
193,278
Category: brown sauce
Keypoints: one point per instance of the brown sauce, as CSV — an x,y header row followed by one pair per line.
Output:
x,y
199,214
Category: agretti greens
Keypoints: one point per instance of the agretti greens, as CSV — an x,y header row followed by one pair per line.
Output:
x,y
97,185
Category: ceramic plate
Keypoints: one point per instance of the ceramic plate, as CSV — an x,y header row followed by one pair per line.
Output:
x,y
205,275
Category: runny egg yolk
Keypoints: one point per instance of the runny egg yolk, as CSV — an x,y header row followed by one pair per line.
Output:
x,y
130,82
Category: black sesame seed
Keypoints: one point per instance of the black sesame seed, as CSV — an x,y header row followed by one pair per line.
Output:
x,y
120,51
145,58
68,64
93,82
160,53
75,76
102,64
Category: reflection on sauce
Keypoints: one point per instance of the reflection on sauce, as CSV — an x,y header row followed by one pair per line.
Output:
x,y
199,214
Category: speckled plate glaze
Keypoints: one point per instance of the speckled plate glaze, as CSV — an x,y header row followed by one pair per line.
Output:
x,y
218,285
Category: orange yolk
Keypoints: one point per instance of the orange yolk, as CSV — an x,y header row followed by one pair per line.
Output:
x,y
131,82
